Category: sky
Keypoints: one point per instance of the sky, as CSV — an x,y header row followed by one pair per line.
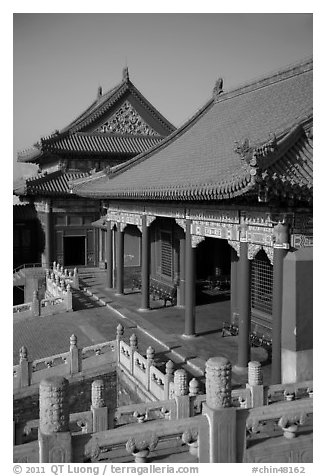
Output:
x,y
174,59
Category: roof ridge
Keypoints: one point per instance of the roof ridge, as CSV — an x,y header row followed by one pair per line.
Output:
x,y
267,79
97,102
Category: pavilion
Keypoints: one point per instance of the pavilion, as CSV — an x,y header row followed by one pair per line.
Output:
x,y
225,199
117,126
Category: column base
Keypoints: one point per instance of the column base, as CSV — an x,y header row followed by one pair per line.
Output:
x,y
144,309
189,336
119,294
239,370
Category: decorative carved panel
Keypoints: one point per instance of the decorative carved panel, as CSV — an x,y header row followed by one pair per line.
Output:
x,y
126,120
215,230
181,222
235,245
195,240
253,250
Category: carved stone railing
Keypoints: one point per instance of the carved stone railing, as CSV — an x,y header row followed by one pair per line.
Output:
x,y
76,360
52,304
142,412
134,442
289,391
59,274
283,418
23,310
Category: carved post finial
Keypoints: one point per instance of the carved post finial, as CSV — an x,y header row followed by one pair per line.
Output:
x,y
23,353
133,341
54,406
180,383
169,368
73,341
150,353
218,382
98,394
255,374
120,330
193,387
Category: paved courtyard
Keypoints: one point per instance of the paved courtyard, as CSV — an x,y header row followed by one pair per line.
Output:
x,y
98,312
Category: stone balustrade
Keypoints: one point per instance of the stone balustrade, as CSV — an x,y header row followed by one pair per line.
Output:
x,y
58,273
221,433
75,361
57,300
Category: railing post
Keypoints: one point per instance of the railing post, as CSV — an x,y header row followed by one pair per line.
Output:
x,y
98,408
150,353
25,368
120,332
133,342
255,384
181,394
168,378
217,439
68,298
76,279
54,435
193,392
35,305
75,356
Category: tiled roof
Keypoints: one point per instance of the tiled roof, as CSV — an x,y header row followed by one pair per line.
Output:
x,y
102,143
200,161
79,137
56,183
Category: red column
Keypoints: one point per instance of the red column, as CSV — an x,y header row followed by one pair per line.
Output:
x,y
234,284
280,250
190,284
48,235
244,302
182,271
145,265
120,259
109,261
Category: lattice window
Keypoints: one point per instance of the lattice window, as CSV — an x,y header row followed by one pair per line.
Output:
x,y
261,284
127,121
166,253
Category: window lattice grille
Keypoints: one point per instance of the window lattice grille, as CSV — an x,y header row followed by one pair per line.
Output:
x,y
166,253
262,286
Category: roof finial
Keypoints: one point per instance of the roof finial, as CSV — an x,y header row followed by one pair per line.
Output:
x,y
125,74
99,92
218,89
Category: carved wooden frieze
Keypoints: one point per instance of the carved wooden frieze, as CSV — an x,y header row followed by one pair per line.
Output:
x,y
260,235
181,222
253,250
126,120
150,219
235,245
301,240
195,240
215,230
221,216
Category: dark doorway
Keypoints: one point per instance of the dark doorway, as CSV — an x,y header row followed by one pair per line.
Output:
x,y
74,250
18,295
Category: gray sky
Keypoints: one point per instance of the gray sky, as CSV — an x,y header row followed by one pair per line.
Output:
x,y
174,60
